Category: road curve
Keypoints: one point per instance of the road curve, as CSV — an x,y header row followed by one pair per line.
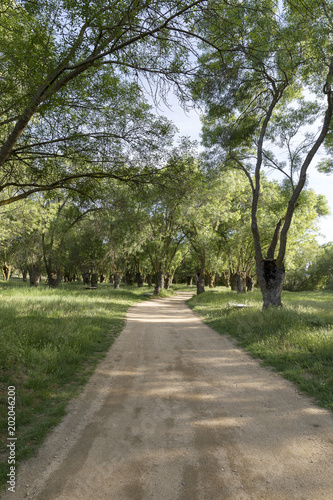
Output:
x,y
177,412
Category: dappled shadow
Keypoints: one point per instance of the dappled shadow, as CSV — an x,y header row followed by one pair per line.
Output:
x,y
184,414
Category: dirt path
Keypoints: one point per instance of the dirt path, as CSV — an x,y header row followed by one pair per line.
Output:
x,y
177,412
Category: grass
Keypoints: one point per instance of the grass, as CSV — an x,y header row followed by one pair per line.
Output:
x,y
297,340
50,343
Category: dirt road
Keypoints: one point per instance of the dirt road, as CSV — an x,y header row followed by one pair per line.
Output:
x,y
177,412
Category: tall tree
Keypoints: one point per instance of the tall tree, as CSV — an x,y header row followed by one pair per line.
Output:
x,y
70,89
255,84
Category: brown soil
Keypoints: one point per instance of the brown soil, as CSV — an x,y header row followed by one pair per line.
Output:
x,y
177,412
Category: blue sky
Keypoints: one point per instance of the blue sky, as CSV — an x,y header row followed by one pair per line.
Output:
x,y
189,125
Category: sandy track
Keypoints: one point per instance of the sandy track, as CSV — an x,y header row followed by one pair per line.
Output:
x,y
176,412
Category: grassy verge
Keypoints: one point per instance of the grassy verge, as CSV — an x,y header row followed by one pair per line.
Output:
x,y
50,342
297,340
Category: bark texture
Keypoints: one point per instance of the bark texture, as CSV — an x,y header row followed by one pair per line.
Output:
x,y
270,279
159,282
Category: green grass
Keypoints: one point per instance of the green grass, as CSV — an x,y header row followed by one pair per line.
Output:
x,y
296,340
50,342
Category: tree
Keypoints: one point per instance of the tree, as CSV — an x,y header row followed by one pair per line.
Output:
x,y
70,94
255,85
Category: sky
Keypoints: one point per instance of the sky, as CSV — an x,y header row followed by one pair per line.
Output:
x,y
189,125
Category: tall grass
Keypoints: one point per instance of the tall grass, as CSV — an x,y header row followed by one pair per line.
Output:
x,y
50,342
296,340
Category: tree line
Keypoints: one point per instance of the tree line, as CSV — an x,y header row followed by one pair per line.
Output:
x,y
76,128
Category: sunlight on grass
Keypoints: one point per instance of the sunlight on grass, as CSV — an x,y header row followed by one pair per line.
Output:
x,y
50,342
296,340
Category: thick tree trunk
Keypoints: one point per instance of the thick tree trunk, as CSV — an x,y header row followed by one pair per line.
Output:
x,y
129,279
34,274
116,280
159,282
270,279
249,283
140,279
241,282
149,280
86,278
233,282
24,274
54,278
102,278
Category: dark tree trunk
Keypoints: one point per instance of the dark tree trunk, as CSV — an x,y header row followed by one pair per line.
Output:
x,y
201,283
24,274
102,278
241,282
94,280
149,280
233,281
86,278
270,279
249,283
159,282
34,274
116,280
54,279
129,279
140,279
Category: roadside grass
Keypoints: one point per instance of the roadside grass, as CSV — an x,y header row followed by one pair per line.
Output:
x,y
296,341
50,343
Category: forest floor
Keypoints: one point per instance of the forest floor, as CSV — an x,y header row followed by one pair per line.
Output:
x,y
176,411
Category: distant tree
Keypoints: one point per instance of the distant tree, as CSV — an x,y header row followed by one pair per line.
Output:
x,y
263,80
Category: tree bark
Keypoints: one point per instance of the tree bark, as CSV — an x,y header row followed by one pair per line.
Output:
x,y
54,278
116,280
249,283
270,279
168,281
149,280
34,274
140,280
94,280
233,282
6,271
241,281
159,282
202,274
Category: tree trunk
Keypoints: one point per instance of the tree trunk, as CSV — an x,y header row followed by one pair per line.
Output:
x,y
249,283
140,279
202,274
94,280
149,280
86,278
102,278
211,280
159,282
24,274
270,279
34,274
116,280
168,281
54,279
241,282
6,271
